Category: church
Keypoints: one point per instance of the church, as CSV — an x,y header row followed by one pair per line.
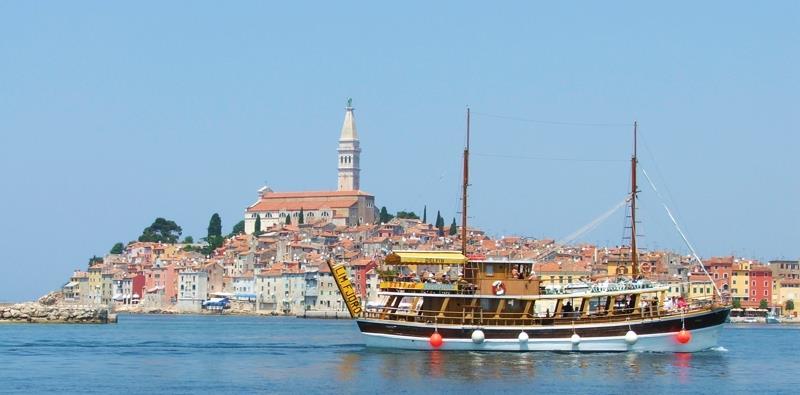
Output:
x,y
347,206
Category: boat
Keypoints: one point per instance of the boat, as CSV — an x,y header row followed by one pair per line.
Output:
x,y
773,318
474,303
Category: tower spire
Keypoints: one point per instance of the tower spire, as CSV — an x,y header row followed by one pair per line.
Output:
x,y
349,152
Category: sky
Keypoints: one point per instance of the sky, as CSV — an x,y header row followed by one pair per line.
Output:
x,y
113,114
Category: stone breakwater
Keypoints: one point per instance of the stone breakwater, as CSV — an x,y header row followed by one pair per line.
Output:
x,y
33,312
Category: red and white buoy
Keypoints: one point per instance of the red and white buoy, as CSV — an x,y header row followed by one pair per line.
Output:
x,y
436,340
683,336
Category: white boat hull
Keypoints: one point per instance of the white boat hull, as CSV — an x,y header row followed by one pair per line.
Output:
x,y
702,339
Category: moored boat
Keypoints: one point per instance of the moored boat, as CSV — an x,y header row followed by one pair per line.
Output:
x,y
444,300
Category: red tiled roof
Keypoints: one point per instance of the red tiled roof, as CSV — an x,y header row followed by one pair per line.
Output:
x,y
269,205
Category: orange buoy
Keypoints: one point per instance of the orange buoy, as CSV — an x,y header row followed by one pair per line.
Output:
x,y
436,340
684,336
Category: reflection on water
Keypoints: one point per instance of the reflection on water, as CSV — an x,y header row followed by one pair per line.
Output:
x,y
474,366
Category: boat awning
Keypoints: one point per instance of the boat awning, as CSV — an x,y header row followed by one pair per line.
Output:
x,y
426,258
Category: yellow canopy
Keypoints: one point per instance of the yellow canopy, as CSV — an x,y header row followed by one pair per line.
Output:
x,y
413,257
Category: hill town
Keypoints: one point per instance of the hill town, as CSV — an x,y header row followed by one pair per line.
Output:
x,y
275,259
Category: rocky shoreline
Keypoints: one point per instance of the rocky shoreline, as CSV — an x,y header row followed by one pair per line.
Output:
x,y
33,312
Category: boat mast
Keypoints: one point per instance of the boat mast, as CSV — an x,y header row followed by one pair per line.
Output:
x,y
634,252
465,183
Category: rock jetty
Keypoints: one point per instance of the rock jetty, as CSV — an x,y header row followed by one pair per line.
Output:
x,y
35,312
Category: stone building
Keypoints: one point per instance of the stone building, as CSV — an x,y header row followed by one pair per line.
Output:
x,y
347,206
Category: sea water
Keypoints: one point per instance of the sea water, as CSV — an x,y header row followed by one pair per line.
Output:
x,y
146,354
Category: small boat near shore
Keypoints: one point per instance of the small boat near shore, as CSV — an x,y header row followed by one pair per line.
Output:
x,y
503,305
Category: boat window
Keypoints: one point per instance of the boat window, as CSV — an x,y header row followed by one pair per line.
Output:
x,y
489,269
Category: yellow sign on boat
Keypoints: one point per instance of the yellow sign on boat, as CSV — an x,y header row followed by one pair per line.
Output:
x,y
346,289
426,258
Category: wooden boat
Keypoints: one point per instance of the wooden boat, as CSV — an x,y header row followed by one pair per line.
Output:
x,y
479,304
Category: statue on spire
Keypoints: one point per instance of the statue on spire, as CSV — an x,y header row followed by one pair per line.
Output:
x,y
349,102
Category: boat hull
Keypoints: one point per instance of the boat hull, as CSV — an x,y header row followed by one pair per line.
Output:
x,y
652,335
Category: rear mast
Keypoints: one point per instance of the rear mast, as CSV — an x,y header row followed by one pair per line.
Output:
x,y
465,183
634,252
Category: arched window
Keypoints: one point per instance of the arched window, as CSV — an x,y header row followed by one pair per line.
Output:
x,y
269,215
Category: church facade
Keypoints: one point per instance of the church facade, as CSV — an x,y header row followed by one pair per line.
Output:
x,y
347,206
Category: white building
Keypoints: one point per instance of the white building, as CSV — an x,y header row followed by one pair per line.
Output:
x,y
192,290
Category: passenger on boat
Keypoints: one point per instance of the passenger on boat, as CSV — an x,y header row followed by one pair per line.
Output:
x,y
669,304
644,306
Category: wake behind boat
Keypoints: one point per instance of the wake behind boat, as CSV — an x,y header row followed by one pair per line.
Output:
x,y
448,300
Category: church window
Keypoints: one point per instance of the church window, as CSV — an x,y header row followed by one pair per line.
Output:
x,y
269,215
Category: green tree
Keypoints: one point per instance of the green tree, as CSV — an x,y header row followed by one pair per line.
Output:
x,y
301,217
440,223
162,231
95,260
239,227
188,240
407,215
288,219
763,304
384,216
425,214
215,226
257,228
453,228
737,304
214,242
117,248
790,305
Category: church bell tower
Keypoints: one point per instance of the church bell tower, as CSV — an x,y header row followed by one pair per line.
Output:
x,y
349,152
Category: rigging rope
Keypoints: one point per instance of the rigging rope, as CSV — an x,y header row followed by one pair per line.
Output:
x,y
591,225
685,239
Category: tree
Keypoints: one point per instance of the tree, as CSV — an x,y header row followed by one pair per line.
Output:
x,y
95,259
257,228
239,227
737,304
301,217
215,226
384,215
162,231
288,219
188,240
790,305
117,248
425,214
453,228
407,215
440,223
214,242
763,304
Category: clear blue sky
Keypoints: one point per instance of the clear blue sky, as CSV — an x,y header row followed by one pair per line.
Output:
x,y
113,114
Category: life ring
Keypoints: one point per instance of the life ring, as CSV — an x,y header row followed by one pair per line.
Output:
x,y
622,269
645,267
498,288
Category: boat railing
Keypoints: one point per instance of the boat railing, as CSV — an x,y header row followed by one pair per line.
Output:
x,y
480,317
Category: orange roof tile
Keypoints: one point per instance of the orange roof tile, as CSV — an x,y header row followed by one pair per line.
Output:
x,y
269,205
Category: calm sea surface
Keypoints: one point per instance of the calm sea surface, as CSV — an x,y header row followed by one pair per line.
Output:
x,y
212,354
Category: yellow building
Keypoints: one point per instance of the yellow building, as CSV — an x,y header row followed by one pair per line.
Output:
x,y
740,281
700,287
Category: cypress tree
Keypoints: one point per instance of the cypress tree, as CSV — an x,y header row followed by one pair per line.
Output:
x,y
215,226
288,219
425,214
453,228
257,228
301,217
